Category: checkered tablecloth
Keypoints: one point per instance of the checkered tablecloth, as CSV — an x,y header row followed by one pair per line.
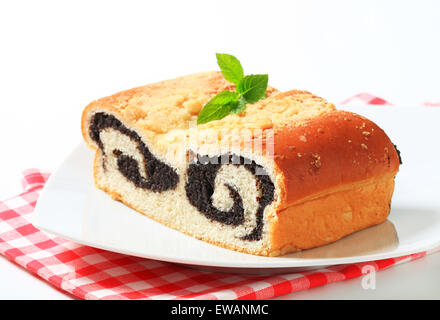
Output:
x,y
91,273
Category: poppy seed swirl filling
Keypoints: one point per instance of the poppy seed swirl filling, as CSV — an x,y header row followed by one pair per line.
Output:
x,y
201,183
161,177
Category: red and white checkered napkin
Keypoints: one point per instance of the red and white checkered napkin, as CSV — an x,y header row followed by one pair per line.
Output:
x,y
91,273
365,99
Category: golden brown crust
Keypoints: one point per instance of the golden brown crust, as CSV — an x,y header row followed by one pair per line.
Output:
x,y
335,149
163,106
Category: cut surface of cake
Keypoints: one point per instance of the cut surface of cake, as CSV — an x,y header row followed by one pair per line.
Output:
x,y
290,172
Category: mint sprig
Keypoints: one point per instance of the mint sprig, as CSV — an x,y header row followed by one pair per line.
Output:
x,y
253,87
218,107
231,67
249,89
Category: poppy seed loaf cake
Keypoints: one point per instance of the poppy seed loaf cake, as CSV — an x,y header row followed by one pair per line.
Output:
x,y
290,172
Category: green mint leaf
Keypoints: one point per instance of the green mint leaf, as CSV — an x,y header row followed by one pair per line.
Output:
x,y
231,67
253,87
240,106
249,89
218,107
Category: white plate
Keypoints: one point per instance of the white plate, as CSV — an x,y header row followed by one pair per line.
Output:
x,y
71,207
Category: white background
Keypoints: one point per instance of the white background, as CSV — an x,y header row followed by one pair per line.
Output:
x,y
57,56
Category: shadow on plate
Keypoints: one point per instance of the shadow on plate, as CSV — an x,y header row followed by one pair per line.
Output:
x,y
376,239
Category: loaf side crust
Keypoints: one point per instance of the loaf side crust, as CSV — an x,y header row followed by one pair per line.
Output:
x,y
332,216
